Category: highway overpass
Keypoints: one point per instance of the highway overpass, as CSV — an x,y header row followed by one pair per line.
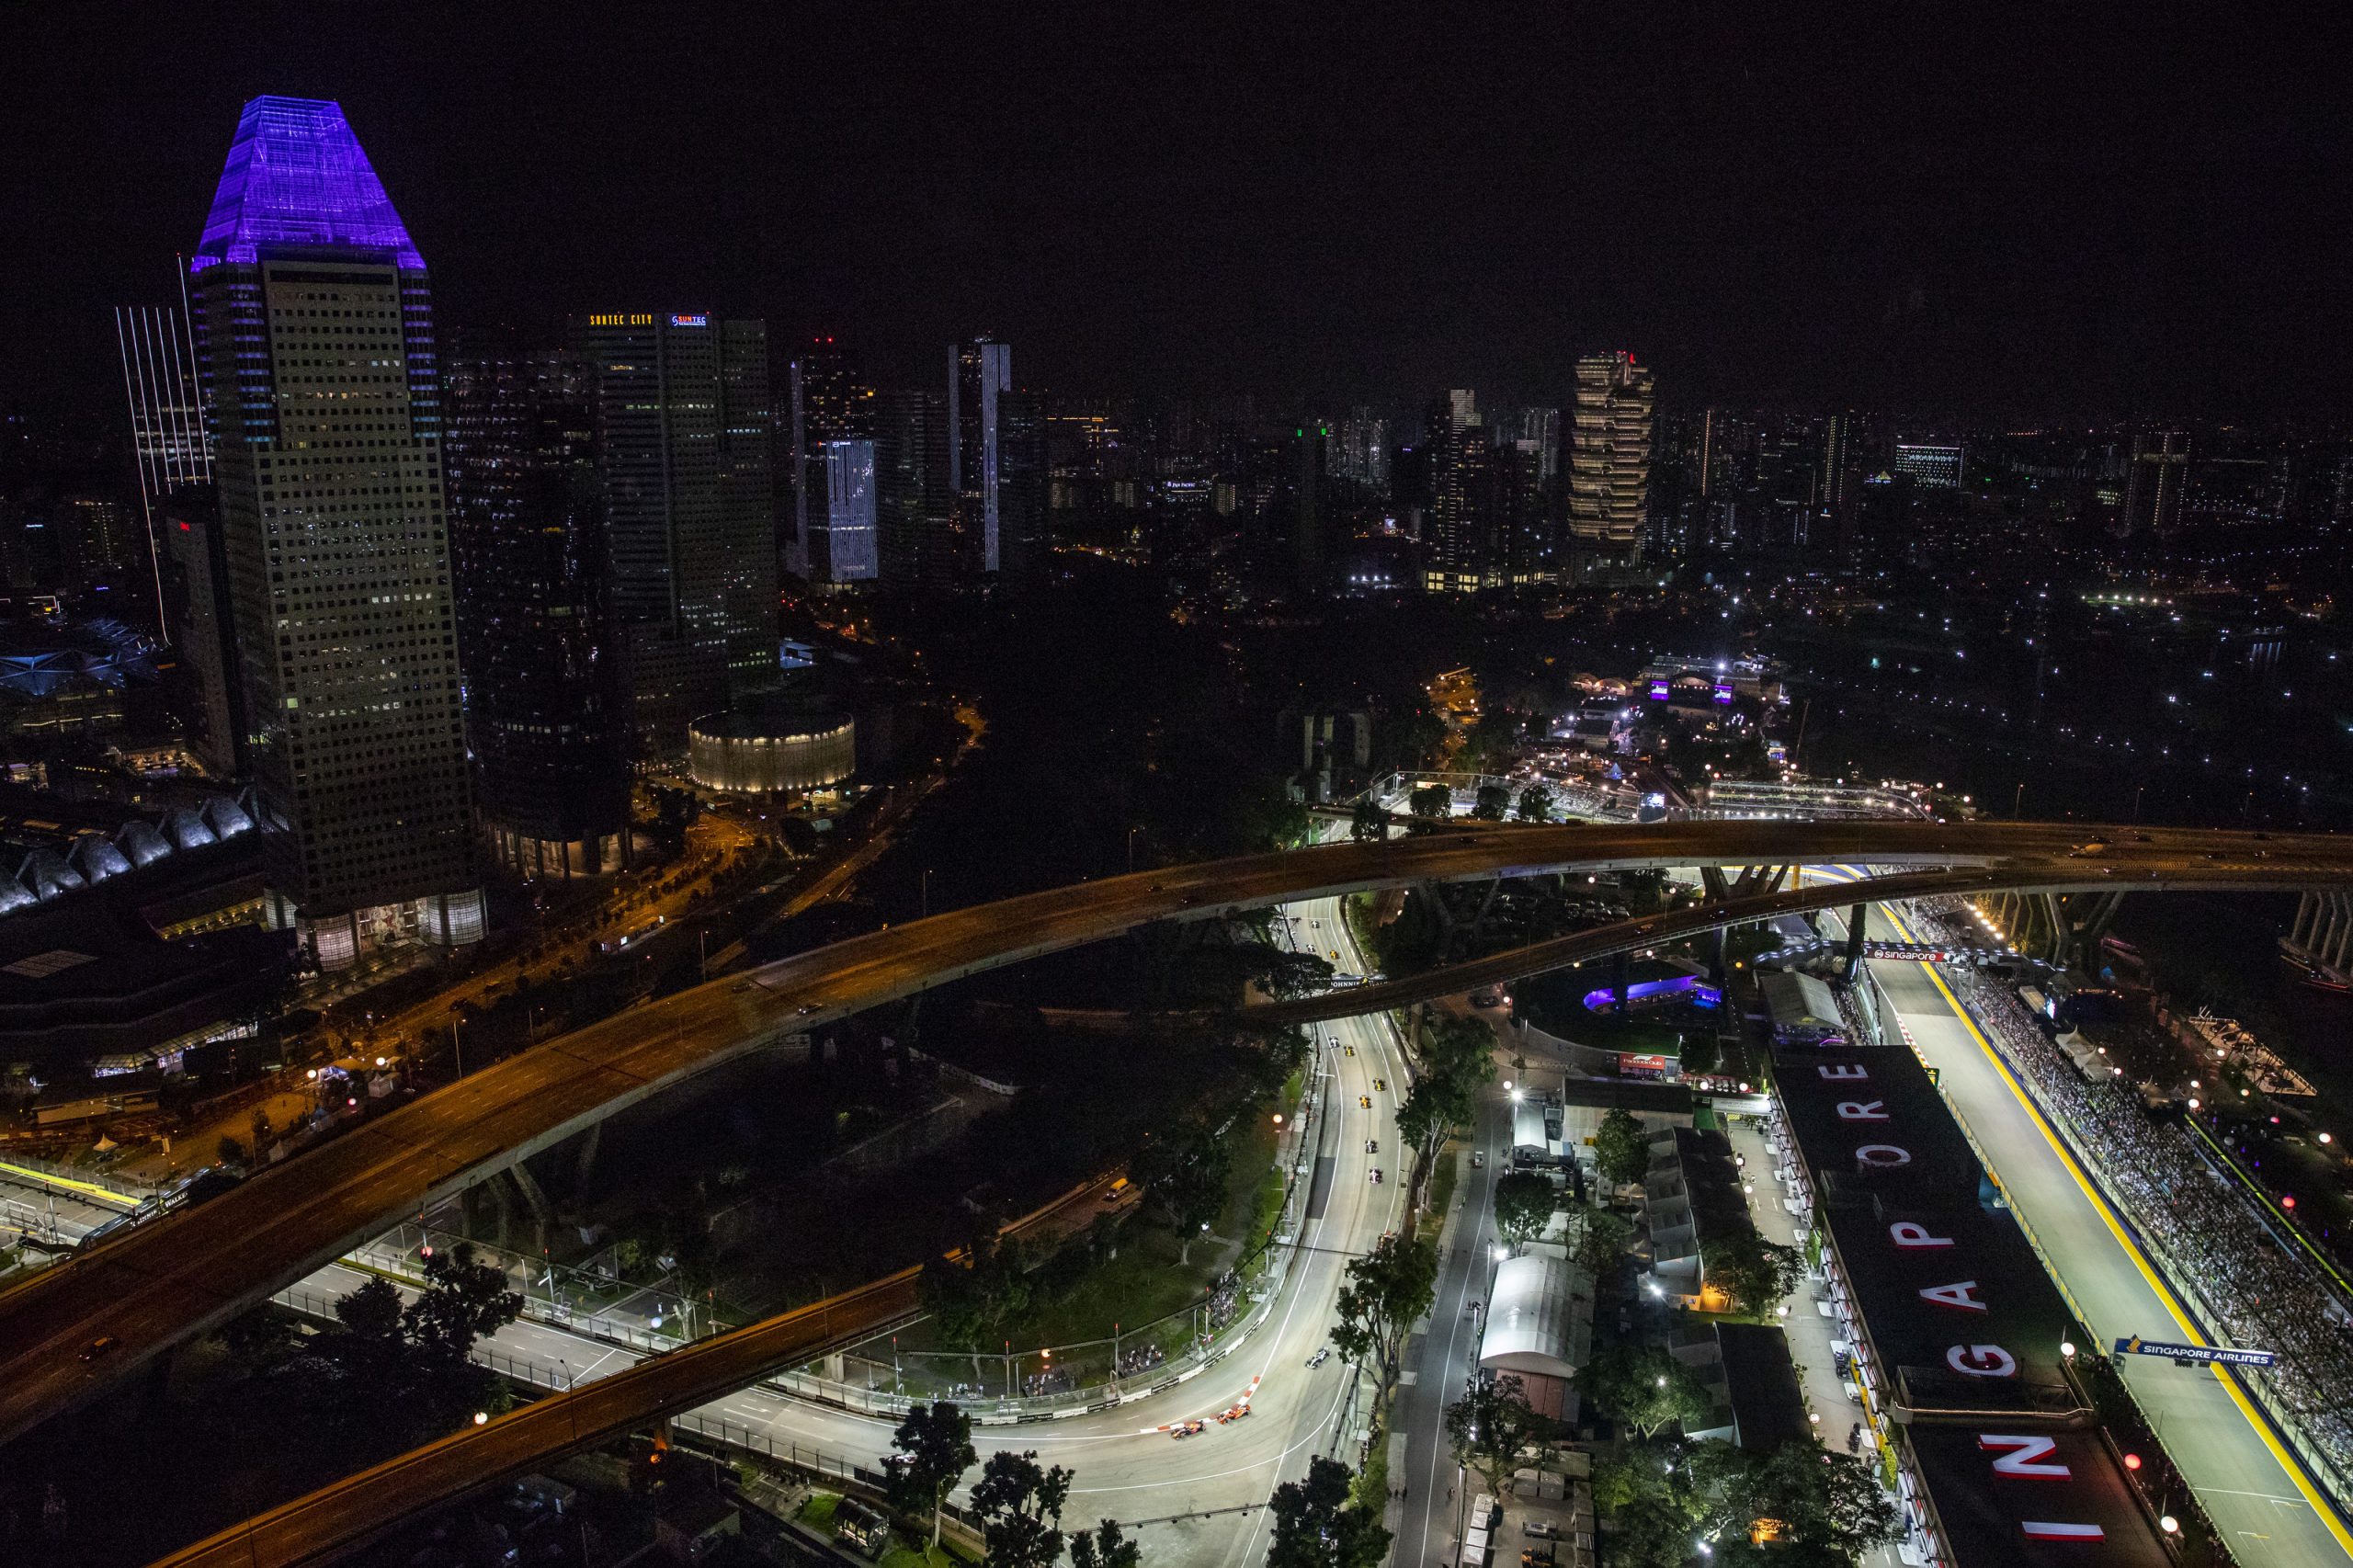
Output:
x,y
162,1283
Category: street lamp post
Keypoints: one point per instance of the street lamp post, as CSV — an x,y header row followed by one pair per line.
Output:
x,y
457,1048
2017,800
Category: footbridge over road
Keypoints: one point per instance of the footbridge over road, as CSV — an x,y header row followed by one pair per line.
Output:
x,y
166,1282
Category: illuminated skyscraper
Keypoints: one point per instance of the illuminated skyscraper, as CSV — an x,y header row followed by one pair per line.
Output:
x,y
1936,464
686,435
1460,548
916,506
544,715
315,338
2154,482
167,439
1609,464
829,406
1360,450
978,373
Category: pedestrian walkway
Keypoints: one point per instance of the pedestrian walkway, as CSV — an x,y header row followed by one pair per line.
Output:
x,y
1814,1341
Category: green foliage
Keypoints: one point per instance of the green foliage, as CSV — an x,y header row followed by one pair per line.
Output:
x,y
1317,1527
1830,1505
1387,1290
1536,803
1598,1240
230,1151
1621,1149
971,1297
1492,803
1488,1426
1020,1507
1211,974
1494,741
1645,1389
1185,1172
932,1449
1458,1057
1431,803
1105,1546
1524,1205
1756,1273
1702,1053
1369,824
462,1300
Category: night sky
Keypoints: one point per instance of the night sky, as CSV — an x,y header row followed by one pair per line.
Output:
x,y
1987,214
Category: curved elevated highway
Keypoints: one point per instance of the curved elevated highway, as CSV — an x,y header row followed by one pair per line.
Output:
x,y
177,1278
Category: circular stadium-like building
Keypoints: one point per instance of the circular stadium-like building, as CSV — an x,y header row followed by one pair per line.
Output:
x,y
776,746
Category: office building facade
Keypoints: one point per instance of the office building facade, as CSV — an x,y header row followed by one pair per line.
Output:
x,y
2154,482
168,444
918,518
829,406
1458,546
544,718
1609,462
978,374
315,344
1936,464
685,438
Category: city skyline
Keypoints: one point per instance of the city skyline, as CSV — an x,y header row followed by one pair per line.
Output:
x,y
1674,700
2076,263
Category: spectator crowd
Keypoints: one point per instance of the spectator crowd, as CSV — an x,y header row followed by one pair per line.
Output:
x,y
2251,1286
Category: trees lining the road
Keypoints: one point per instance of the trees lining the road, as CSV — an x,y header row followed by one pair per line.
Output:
x,y
1105,1546
1430,803
1492,803
933,1449
1317,1527
1457,1059
1019,1504
1536,803
1524,1205
1387,1290
1488,1426
1369,822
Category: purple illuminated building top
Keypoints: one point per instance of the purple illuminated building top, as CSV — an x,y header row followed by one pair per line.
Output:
x,y
296,176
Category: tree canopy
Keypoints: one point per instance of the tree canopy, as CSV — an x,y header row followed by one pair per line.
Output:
x,y
1387,1290
1488,1426
972,1297
1020,1504
1524,1204
1621,1149
1369,822
931,1451
1536,803
1756,1273
1645,1389
1431,803
1492,803
1105,1546
1317,1527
